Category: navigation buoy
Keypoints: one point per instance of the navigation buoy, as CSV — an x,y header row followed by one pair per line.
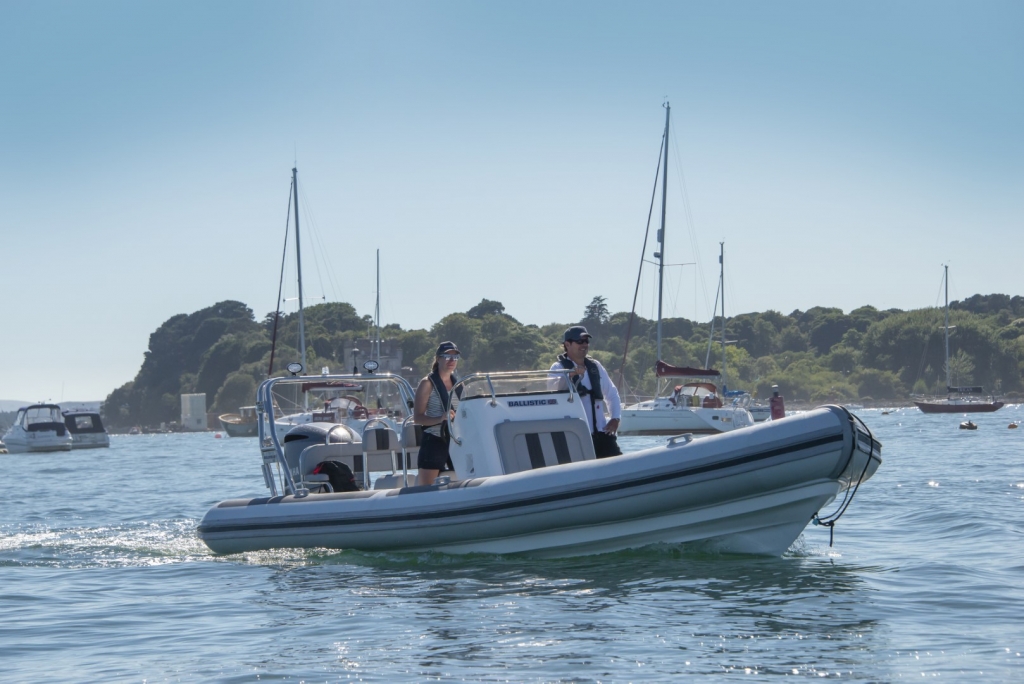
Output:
x,y
217,436
968,425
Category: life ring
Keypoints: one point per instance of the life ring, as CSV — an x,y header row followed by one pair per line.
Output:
x,y
360,413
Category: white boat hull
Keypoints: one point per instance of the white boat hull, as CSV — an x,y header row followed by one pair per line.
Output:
x,y
750,491
19,441
760,413
660,417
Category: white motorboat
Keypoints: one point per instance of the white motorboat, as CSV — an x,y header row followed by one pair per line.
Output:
x,y
696,405
86,428
39,427
526,481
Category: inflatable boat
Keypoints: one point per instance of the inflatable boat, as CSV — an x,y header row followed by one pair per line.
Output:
x,y
525,480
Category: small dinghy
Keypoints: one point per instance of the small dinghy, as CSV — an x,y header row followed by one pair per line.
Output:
x,y
526,481
968,425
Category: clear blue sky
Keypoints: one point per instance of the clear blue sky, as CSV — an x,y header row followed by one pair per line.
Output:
x,y
843,151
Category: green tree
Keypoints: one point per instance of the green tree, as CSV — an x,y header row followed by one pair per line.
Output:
x,y
486,307
238,390
596,312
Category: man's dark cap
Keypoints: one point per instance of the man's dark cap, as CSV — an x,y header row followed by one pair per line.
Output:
x,y
576,333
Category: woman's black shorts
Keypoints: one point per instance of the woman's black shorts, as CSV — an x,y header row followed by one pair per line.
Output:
x,y
433,453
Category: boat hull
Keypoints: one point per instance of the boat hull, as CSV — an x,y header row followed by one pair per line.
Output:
x,y
952,407
90,441
673,420
750,491
16,447
238,429
19,441
760,413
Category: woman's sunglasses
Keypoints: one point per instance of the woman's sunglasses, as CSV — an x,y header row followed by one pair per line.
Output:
x,y
450,357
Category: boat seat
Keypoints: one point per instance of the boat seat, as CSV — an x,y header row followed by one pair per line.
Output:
x,y
412,440
526,445
382,450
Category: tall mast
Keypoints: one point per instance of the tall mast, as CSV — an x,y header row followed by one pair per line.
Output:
x,y
376,315
945,278
721,284
298,266
661,233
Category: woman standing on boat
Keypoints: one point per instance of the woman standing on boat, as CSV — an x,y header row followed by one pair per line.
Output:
x,y
432,397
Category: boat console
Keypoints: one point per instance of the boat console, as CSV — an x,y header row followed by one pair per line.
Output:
x,y
511,422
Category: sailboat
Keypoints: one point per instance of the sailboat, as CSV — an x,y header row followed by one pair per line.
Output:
x,y
337,402
736,397
958,399
695,404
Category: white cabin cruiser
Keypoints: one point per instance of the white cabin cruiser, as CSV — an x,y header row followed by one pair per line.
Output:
x,y
38,428
86,428
526,481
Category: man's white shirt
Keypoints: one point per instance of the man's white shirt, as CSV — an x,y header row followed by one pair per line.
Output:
x,y
611,399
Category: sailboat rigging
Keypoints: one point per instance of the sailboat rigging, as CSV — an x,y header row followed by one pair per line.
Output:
x,y
293,200
696,404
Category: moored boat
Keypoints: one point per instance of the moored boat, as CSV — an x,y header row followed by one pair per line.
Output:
x,y
86,428
241,424
958,399
695,405
526,481
698,404
38,428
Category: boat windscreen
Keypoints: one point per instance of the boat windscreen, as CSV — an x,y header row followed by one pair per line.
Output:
x,y
43,414
508,385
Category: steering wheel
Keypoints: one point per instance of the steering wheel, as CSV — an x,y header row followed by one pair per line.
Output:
x,y
360,413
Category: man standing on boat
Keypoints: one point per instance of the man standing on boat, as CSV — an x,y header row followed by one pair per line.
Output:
x,y
595,387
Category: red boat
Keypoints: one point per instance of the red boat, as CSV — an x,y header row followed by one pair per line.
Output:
x,y
959,404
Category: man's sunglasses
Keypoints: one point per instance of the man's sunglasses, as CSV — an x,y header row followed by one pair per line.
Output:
x,y
450,357
580,341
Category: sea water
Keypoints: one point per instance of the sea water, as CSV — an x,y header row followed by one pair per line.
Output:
x,y
102,578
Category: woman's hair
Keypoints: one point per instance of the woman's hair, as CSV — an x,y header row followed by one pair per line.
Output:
x,y
433,369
